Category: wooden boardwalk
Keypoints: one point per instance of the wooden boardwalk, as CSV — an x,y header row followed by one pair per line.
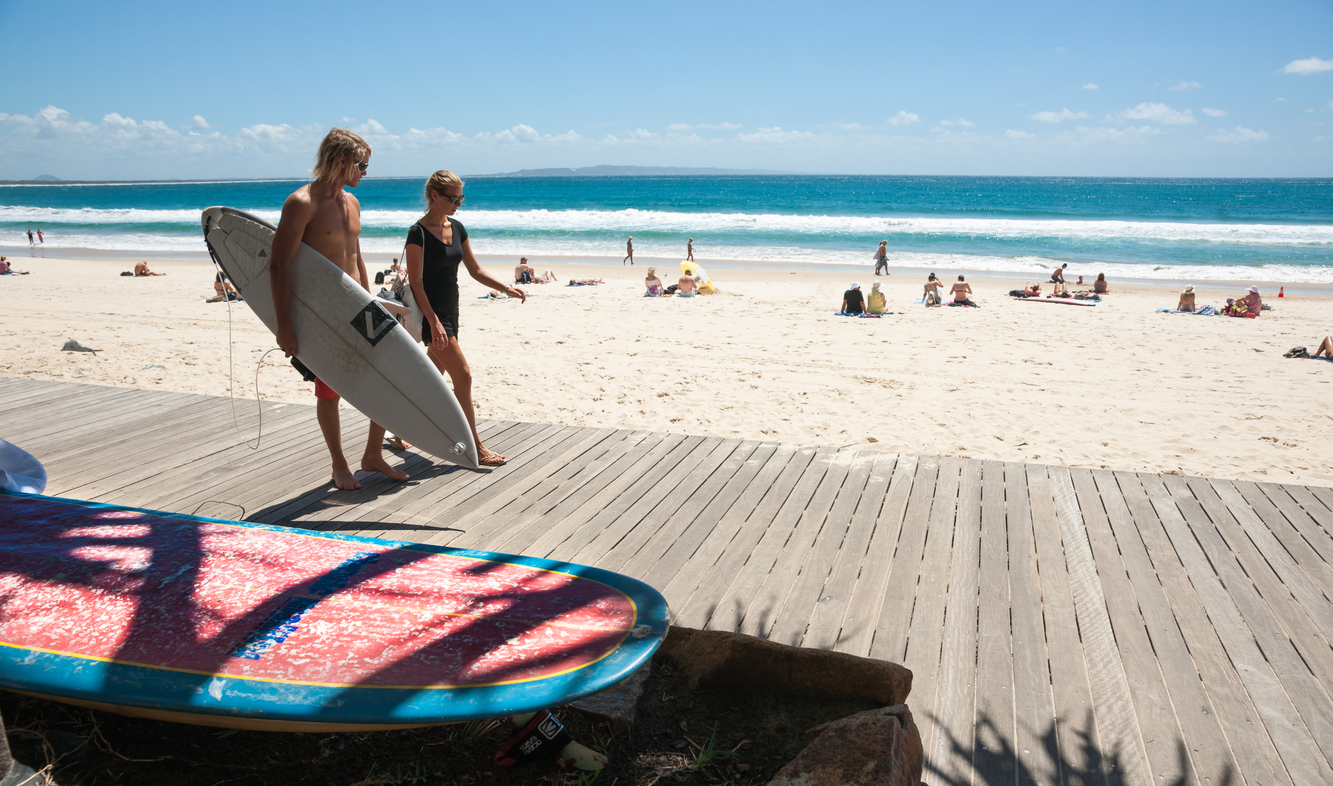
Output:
x,y
1063,625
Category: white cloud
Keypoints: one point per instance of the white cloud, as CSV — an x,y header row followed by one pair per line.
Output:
x,y
1091,86
1215,112
1088,135
198,122
904,118
1019,135
1056,117
1160,113
1308,66
53,114
714,126
1183,85
959,122
642,134
1279,100
776,135
1239,136
371,128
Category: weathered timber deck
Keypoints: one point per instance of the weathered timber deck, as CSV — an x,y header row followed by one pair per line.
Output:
x,y
1063,625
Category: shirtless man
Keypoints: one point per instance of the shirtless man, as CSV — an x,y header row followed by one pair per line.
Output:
x,y
1058,276
328,219
523,273
687,286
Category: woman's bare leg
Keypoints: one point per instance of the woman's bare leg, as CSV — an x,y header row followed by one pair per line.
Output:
x,y
1325,348
452,363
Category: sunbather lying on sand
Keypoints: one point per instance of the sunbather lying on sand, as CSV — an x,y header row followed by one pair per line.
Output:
x,y
141,269
1325,348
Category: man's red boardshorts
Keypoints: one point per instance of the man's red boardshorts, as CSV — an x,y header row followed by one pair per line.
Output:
x,y
323,391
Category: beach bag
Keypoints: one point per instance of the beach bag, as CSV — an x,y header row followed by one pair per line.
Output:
x,y
379,278
1297,352
403,291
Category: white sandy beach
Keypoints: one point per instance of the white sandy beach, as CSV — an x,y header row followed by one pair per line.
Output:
x,y
1115,386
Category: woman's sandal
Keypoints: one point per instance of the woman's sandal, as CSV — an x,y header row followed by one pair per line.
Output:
x,y
492,459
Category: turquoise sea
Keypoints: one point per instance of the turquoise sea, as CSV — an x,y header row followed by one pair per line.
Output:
x,y
1266,229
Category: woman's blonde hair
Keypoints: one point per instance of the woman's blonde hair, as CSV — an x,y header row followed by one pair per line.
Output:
x,y
439,181
339,154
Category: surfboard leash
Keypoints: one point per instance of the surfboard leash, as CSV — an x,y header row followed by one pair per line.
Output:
x,y
231,366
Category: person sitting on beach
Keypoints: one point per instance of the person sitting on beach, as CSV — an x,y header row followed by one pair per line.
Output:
x,y
960,291
1325,348
225,291
687,286
7,270
523,273
652,283
852,300
932,293
875,300
1186,300
141,269
1099,287
1247,305
1058,277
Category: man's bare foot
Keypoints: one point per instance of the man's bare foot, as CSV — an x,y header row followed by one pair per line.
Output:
x,y
378,464
343,477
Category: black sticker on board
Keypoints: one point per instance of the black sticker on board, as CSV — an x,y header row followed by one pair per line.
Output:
x,y
373,322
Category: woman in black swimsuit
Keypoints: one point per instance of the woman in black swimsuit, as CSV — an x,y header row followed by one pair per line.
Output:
x,y
435,246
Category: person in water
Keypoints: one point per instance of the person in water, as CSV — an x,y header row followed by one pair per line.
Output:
x,y
629,250
852,300
436,246
326,217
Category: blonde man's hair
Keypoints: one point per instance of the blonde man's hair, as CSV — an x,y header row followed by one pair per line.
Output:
x,y
339,154
439,181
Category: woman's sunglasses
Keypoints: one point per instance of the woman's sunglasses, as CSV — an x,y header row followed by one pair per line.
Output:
x,y
457,200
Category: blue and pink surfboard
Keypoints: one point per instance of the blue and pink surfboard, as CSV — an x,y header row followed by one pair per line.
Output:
x,y
242,625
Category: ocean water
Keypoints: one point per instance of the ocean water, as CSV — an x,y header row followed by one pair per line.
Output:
x,y
1278,230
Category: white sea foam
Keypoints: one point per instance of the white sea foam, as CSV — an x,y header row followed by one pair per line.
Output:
x,y
830,228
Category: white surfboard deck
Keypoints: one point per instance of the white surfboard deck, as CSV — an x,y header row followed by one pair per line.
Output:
x,y
346,338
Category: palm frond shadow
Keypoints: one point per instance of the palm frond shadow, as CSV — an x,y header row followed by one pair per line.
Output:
x,y
992,758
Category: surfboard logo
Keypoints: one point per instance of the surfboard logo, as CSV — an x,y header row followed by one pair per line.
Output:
x,y
373,322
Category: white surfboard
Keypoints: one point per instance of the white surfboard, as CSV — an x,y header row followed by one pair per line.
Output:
x,y
346,338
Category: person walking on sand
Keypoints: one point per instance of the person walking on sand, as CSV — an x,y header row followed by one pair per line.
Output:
x,y
689,250
327,218
436,246
629,250
882,257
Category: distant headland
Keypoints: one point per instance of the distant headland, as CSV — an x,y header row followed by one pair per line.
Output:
x,y
606,170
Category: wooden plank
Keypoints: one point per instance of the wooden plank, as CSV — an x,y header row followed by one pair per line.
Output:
x,y
895,614
834,615
673,549
867,597
1033,703
1307,515
925,641
1270,532
1278,603
641,546
605,527
734,541
813,580
993,753
948,734
1210,570
769,607
587,521
1134,712
600,486
736,598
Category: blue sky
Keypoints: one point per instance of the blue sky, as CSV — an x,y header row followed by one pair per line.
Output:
x,y
244,89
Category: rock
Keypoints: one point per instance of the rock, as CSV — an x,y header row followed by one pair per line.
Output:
x,y
617,704
876,748
736,662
